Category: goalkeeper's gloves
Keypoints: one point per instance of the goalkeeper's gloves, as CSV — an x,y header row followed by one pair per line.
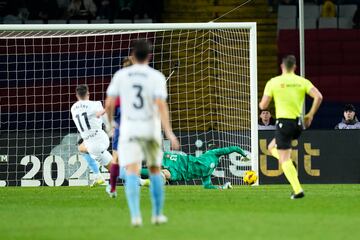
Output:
x,y
227,185
245,158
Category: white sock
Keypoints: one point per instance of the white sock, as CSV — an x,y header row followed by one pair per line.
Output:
x,y
142,182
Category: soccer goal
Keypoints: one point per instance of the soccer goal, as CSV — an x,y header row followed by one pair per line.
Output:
x,y
211,71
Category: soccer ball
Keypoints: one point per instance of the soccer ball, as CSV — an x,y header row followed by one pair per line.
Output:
x,y
250,177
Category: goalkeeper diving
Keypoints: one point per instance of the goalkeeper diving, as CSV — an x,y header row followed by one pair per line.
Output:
x,y
178,166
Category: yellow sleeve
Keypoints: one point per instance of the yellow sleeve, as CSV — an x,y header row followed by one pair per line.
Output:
x,y
268,91
308,85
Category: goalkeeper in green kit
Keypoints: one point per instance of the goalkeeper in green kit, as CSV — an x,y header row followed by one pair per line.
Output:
x,y
179,166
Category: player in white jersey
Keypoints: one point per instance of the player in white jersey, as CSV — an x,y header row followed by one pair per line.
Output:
x,y
87,116
143,94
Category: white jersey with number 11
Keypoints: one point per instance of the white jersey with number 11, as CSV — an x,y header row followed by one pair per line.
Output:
x,y
84,116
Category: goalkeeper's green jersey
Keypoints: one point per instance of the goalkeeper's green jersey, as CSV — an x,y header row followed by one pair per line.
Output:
x,y
187,167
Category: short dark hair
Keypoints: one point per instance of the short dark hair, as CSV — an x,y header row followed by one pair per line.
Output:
x,y
82,90
349,108
141,50
289,62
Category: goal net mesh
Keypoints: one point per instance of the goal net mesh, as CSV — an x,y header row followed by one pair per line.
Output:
x,y
208,82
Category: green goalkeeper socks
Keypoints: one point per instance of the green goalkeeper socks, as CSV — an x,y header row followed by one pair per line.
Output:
x,y
144,172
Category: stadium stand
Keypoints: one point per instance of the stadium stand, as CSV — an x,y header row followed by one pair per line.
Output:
x,y
287,11
256,11
331,63
286,18
311,11
331,50
328,22
346,13
310,23
102,11
287,15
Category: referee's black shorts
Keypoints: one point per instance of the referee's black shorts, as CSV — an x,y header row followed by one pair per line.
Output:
x,y
286,131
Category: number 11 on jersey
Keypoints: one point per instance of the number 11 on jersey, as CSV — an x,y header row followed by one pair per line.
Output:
x,y
84,114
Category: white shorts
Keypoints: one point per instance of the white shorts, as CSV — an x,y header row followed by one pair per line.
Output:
x,y
132,151
97,148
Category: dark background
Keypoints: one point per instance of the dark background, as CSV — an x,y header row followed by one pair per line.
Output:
x,y
339,160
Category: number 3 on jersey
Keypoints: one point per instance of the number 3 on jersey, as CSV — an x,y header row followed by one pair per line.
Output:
x,y
139,98
84,114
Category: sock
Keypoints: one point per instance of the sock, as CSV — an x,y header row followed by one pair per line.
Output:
x,y
122,174
291,175
274,152
132,191
157,193
93,165
142,182
144,172
114,173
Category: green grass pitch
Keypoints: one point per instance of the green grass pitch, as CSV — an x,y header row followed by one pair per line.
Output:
x,y
264,212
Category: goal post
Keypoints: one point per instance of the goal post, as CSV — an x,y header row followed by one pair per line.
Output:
x,y
211,71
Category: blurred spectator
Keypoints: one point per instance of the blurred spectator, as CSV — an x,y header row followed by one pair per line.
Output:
x,y
2,8
15,10
48,10
106,8
126,9
81,9
142,8
63,4
266,122
349,121
43,9
147,9
328,9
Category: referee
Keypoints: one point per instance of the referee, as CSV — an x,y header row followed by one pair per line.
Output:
x,y
288,91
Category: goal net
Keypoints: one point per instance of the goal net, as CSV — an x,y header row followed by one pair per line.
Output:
x,y
211,71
